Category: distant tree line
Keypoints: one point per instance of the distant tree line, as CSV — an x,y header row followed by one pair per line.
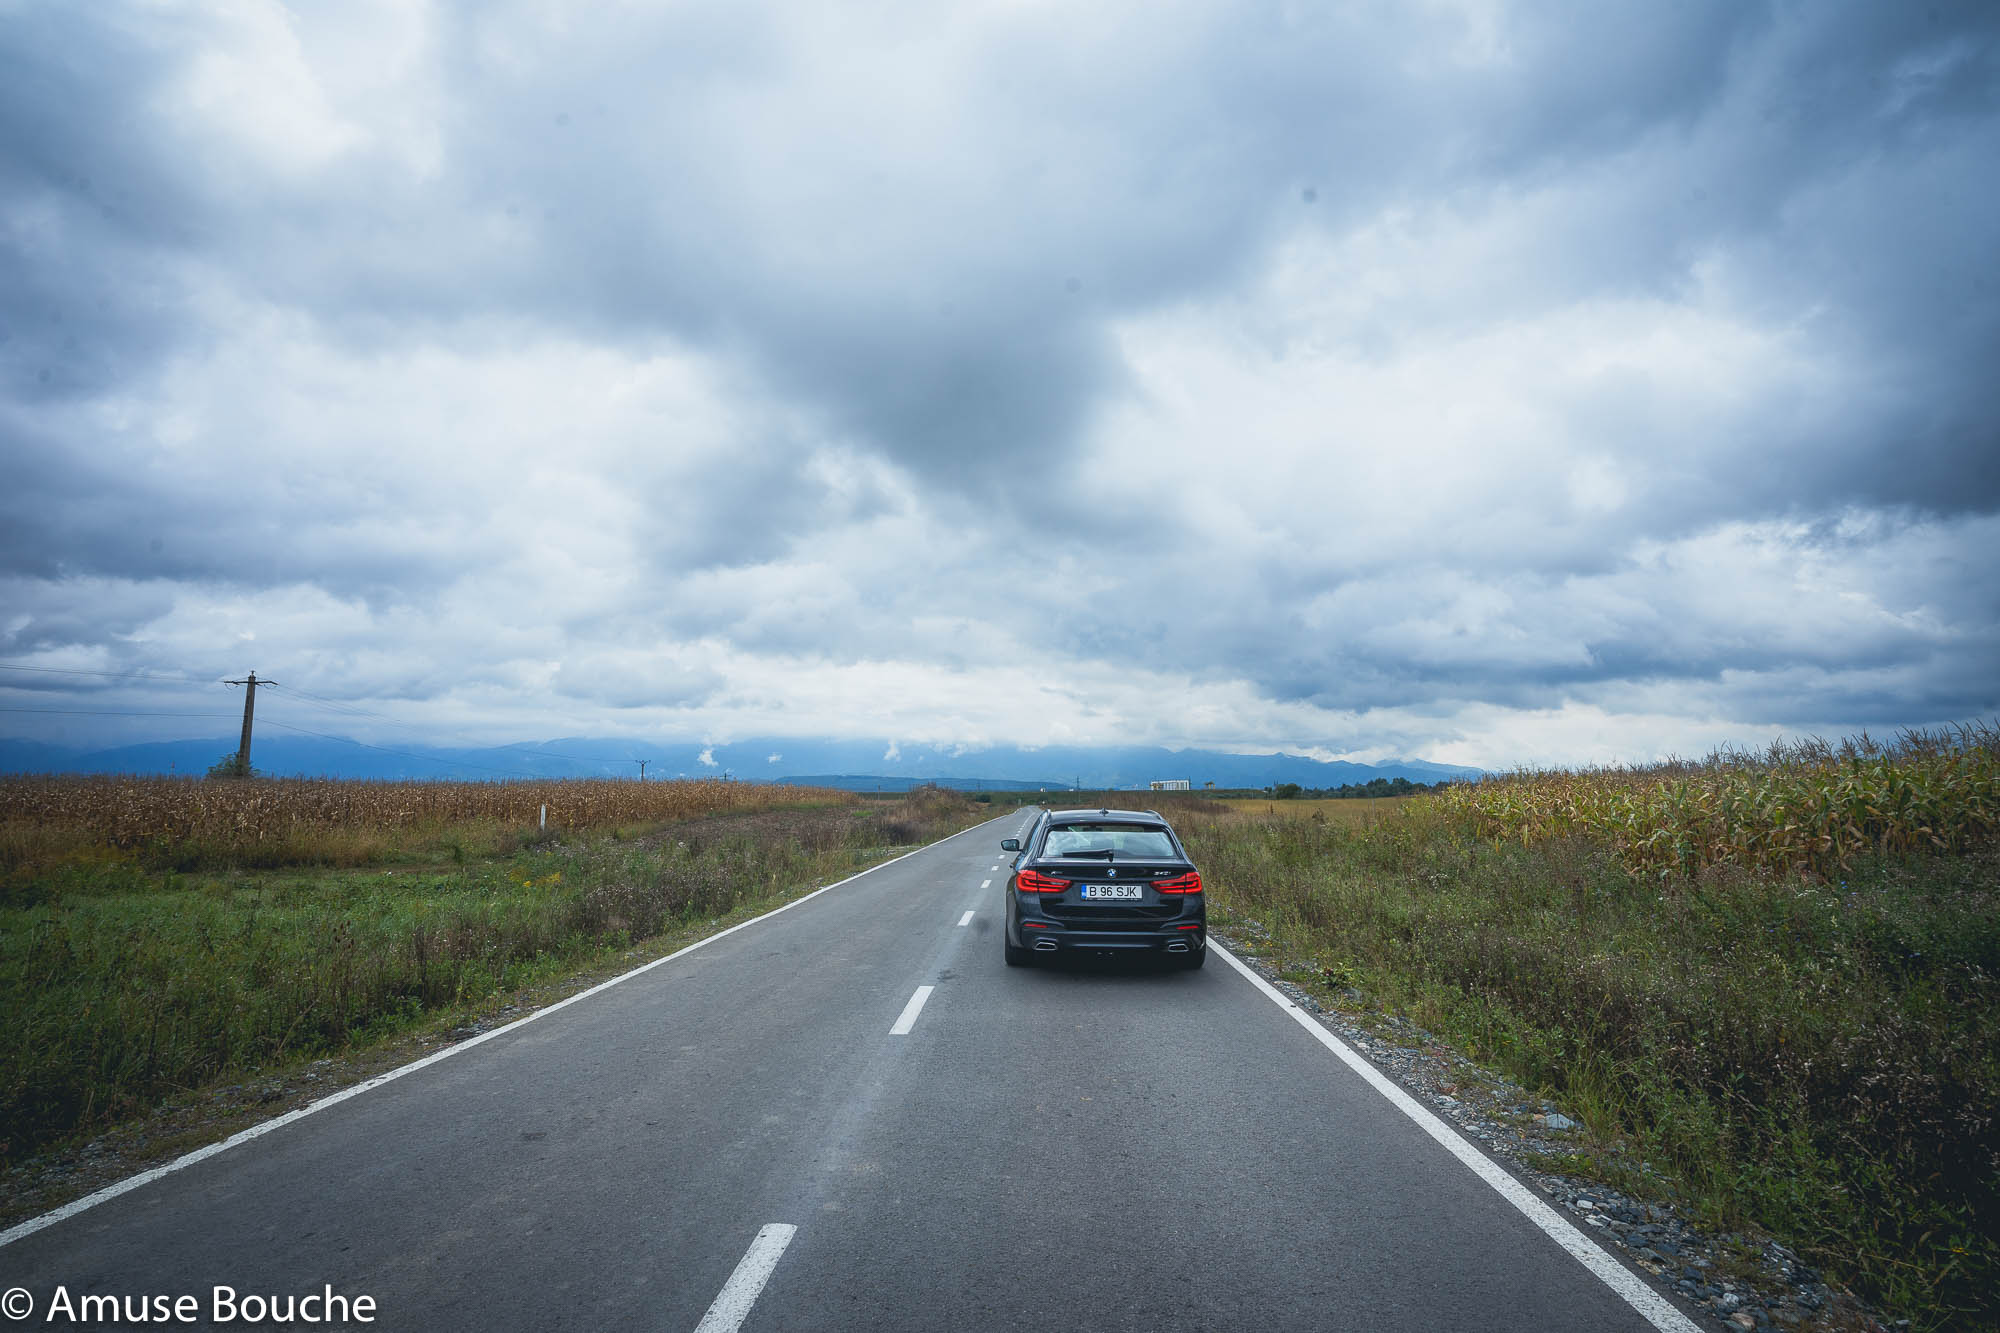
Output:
x,y
1292,791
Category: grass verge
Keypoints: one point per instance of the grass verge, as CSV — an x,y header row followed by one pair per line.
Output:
x,y
1818,1058
130,988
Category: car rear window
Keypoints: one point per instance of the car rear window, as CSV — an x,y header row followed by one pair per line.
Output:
x,y
1119,839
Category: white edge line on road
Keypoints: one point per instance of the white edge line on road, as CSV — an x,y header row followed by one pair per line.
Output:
x,y
130,1183
966,920
733,1302
908,1018
1657,1310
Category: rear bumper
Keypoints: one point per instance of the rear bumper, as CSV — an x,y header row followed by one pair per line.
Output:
x,y
1179,936
1107,942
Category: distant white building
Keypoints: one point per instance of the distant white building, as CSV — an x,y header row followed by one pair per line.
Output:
x,y
1171,784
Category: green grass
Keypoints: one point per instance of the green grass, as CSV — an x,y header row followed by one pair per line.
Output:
x,y
126,986
1818,1058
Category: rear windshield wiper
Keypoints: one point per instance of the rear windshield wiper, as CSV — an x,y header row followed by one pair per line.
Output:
x,y
1105,852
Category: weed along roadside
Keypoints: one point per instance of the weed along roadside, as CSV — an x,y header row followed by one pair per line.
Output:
x,y
1782,1030
1744,1284
155,1007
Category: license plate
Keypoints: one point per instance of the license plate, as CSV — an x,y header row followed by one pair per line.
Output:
x,y
1119,892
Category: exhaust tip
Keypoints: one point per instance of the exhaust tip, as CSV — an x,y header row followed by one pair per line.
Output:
x,y
1177,946
1045,946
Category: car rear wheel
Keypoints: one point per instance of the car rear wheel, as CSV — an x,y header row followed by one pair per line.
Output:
x,y
1015,957
1193,960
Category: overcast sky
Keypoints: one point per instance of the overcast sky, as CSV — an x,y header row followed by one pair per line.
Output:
x,y
1480,382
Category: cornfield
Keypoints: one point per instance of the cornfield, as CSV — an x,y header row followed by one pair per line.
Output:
x,y
162,813
1799,808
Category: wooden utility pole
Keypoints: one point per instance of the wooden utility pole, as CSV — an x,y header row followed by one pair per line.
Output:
x,y
250,684
642,767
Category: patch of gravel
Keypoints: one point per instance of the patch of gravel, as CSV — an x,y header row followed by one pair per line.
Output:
x,y
1729,1281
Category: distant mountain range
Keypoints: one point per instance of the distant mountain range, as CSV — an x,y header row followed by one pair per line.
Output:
x,y
855,765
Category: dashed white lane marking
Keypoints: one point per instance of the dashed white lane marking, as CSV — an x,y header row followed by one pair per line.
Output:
x,y
985,883
1649,1303
908,1019
993,867
965,920
732,1304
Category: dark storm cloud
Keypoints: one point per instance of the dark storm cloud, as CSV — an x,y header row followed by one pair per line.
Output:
x,y
935,295
939,290
1884,235
100,506
94,212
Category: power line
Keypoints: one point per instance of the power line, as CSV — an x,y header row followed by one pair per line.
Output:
x,y
335,705
105,712
107,675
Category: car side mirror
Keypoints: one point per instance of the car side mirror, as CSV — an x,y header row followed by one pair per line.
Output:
x,y
1010,844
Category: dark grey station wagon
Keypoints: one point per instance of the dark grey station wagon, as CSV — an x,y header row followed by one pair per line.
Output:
x,y
1102,882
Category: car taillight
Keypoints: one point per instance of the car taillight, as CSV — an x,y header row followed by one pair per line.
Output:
x,y
1034,881
1188,883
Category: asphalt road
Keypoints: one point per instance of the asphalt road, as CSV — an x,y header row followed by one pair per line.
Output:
x,y
1083,1147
